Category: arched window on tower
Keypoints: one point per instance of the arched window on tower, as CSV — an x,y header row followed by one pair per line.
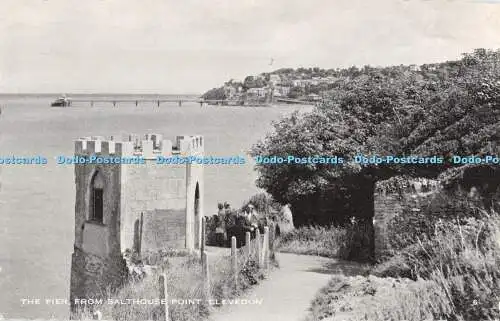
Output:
x,y
97,198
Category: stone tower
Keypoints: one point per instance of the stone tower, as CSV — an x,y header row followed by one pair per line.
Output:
x,y
139,207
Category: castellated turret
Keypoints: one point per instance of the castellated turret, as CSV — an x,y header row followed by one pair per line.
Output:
x,y
132,206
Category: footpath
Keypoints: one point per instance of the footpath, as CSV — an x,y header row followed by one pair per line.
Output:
x,y
287,293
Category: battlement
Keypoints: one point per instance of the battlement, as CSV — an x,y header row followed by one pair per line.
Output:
x,y
148,146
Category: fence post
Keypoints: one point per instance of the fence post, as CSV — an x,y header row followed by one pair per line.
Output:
x,y
164,295
234,261
206,274
203,240
259,248
265,251
272,238
248,245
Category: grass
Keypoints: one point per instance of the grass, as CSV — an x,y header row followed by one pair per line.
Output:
x,y
334,242
452,274
188,300
184,281
372,298
463,260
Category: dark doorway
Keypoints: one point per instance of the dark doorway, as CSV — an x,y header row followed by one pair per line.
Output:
x,y
197,220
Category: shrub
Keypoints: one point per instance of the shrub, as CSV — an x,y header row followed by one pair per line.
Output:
x,y
348,243
264,204
461,257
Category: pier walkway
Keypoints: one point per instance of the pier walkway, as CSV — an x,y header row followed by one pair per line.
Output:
x,y
156,102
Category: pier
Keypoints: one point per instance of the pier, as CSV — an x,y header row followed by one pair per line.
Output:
x,y
136,102
68,102
294,101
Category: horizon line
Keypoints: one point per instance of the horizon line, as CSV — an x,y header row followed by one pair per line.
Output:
x,y
94,93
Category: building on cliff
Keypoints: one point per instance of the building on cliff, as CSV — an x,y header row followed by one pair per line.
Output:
x,y
139,207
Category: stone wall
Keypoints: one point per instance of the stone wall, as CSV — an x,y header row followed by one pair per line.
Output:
x,y
147,188
163,229
455,194
392,198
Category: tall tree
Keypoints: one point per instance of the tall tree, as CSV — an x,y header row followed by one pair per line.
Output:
x,y
451,108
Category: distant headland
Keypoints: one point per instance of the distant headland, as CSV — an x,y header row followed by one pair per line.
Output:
x,y
300,85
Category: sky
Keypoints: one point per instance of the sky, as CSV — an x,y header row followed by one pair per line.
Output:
x,y
189,46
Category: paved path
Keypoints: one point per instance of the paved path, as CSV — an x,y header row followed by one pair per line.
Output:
x,y
287,293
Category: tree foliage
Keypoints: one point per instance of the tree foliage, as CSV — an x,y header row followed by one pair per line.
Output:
x,y
440,109
296,92
215,94
254,82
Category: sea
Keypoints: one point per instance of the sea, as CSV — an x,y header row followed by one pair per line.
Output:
x,y
37,201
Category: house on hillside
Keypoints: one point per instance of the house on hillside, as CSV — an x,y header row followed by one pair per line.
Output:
x,y
330,79
299,83
276,95
274,80
282,90
230,92
257,96
257,92
316,81
313,97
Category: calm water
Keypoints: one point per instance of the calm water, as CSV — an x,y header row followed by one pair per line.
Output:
x,y
37,202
